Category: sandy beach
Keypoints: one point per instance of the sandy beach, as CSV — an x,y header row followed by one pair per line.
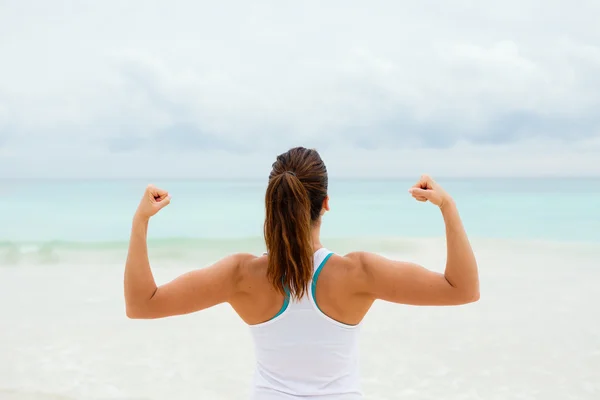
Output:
x,y
533,335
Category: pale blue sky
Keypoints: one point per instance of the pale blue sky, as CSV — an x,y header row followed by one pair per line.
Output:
x,y
382,88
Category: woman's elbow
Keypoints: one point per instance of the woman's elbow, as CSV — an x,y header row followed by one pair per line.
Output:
x,y
132,313
465,297
136,312
472,297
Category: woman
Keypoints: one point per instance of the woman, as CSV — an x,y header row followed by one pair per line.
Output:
x,y
302,302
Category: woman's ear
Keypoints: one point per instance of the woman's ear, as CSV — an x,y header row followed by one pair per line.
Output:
x,y
325,205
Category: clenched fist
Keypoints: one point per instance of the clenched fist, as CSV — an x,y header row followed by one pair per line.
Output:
x,y
153,201
429,190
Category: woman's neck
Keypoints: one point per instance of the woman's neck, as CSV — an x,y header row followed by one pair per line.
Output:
x,y
316,236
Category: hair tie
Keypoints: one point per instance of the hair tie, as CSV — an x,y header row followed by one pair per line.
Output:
x,y
291,173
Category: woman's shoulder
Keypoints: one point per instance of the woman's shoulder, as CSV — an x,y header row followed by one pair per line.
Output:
x,y
345,266
251,265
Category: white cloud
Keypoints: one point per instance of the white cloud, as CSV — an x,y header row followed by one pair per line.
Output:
x,y
108,86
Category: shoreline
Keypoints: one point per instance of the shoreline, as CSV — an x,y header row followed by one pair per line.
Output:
x,y
201,251
157,241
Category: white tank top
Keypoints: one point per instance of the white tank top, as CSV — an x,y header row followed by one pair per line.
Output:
x,y
303,354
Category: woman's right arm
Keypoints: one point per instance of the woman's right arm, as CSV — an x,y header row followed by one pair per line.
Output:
x,y
409,283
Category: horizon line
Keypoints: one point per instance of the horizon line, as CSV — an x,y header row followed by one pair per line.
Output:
x,y
339,178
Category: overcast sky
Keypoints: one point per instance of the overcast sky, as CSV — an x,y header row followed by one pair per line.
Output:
x,y
382,88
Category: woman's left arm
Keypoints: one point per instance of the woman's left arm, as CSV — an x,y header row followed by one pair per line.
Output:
x,y
190,292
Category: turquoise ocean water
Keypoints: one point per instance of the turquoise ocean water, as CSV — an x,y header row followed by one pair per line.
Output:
x,y
42,218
